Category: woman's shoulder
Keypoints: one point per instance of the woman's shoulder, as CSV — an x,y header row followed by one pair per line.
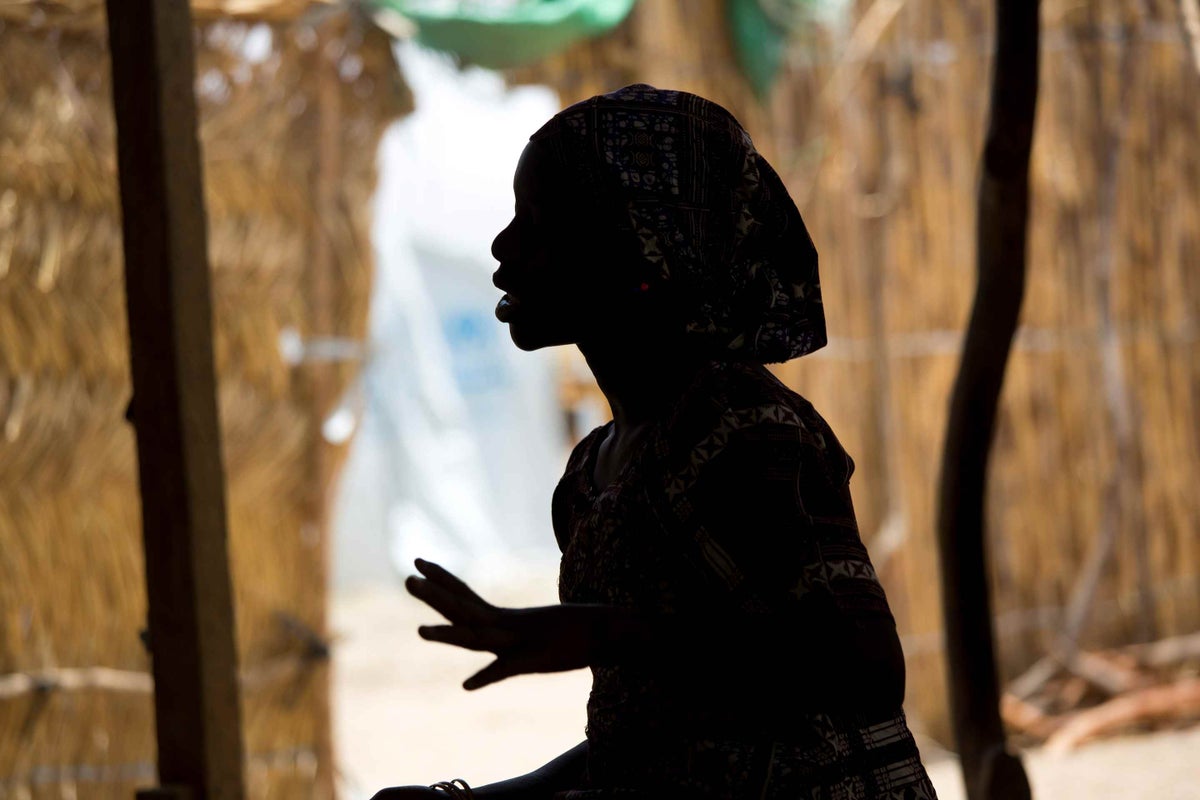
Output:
x,y
570,494
739,403
730,387
582,451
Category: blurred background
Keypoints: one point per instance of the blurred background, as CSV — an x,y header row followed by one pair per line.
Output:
x,y
358,160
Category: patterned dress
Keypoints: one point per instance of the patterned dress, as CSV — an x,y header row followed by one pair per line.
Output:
x,y
736,502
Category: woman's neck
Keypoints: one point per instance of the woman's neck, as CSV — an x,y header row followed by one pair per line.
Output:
x,y
640,382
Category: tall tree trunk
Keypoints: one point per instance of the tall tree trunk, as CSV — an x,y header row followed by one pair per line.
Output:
x,y
989,770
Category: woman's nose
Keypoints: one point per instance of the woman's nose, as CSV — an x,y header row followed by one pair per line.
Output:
x,y
500,242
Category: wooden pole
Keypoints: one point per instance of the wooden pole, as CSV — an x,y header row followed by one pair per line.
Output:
x,y
191,622
990,772
322,302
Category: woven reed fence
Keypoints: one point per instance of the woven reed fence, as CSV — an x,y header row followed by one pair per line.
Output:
x,y
877,130
290,117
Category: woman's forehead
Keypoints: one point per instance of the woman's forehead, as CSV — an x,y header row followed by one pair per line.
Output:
x,y
538,175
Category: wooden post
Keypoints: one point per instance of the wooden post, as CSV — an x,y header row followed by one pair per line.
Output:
x,y
191,623
990,772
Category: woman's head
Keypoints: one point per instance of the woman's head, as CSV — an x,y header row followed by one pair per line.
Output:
x,y
562,266
646,212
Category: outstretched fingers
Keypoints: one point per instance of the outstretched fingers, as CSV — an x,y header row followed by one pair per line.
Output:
x,y
443,577
497,671
476,624
452,605
470,637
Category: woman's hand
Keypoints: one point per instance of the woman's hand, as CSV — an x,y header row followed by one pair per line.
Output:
x,y
409,793
506,790
546,639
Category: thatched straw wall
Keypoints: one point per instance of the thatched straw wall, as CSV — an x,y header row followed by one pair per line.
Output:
x,y
72,595
877,130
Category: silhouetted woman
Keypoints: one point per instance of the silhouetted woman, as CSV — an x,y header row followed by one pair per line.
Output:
x,y
712,573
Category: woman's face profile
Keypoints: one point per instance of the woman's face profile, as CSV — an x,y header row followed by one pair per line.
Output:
x,y
553,268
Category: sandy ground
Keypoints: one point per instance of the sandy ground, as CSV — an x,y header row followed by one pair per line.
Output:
x,y
401,716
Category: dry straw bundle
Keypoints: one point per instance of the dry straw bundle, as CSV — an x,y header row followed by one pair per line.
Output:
x,y
291,111
877,129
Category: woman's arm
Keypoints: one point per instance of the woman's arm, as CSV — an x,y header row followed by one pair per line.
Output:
x,y
839,660
560,775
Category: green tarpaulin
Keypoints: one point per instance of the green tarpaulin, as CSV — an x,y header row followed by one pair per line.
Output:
x,y
498,38
759,43
761,29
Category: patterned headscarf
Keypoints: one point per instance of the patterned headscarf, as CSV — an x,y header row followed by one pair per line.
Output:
x,y
716,227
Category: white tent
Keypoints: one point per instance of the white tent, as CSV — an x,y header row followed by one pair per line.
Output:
x,y
460,441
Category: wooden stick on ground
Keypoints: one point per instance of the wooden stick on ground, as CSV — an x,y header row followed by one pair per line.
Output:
x,y
1179,700
1167,652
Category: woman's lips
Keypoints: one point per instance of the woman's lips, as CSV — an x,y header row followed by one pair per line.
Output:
x,y
507,306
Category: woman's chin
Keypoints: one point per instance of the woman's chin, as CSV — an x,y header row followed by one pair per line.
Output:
x,y
530,337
